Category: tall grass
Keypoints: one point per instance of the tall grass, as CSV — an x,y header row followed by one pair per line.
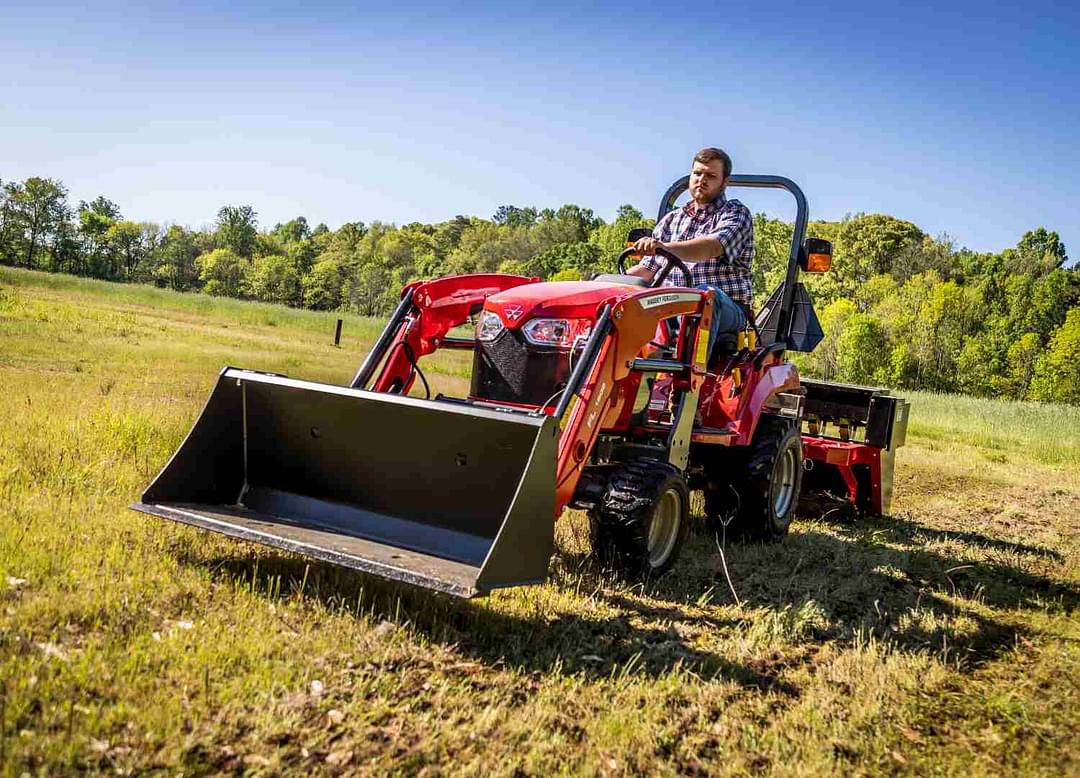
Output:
x,y
1044,432
220,308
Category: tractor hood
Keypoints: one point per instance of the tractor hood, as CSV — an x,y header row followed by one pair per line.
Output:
x,y
554,300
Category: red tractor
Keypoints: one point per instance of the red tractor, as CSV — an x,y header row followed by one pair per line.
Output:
x,y
460,494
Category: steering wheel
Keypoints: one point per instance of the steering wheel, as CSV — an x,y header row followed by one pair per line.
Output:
x,y
672,262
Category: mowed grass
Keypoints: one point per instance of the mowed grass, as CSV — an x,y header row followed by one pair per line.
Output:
x,y
941,640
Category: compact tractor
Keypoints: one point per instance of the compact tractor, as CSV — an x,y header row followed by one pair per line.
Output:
x,y
603,395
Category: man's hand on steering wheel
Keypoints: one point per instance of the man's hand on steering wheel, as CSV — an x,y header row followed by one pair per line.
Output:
x,y
647,246
651,246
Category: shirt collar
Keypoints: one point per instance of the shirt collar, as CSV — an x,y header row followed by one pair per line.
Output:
x,y
709,209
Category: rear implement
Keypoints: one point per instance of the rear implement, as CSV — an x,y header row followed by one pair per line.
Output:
x,y
850,441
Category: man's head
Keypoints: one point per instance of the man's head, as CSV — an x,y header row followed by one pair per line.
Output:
x,y
709,175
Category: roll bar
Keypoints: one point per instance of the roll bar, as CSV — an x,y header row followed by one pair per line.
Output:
x,y
798,234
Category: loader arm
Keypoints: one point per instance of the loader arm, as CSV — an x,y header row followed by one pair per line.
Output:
x,y
427,312
595,399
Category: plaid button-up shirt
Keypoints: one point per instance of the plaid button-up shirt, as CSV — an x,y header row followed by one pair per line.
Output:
x,y
730,222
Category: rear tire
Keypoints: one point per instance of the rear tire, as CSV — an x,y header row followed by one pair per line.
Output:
x,y
762,487
642,521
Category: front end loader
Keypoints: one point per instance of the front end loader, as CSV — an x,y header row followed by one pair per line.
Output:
x,y
604,395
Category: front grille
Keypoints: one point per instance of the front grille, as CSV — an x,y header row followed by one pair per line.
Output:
x,y
510,370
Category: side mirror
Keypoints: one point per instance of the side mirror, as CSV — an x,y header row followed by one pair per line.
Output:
x,y
816,255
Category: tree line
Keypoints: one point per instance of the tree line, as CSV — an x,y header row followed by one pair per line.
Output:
x,y
899,307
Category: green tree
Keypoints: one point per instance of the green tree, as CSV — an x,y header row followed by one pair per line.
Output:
x,y
10,224
978,368
862,350
222,272
327,284
932,318
367,276
824,361
903,367
947,318
293,231
237,229
133,243
1052,296
65,252
322,285
772,249
919,256
875,291
570,224
174,260
512,216
35,209
447,235
484,246
582,257
274,279
1057,371
96,218
1038,253
1022,356
865,246
295,239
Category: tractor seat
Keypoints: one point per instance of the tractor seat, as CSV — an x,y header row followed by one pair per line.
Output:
x,y
618,278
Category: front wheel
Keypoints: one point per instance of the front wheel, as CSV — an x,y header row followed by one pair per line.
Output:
x,y
642,521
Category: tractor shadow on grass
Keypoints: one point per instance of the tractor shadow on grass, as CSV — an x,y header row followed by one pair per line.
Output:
x,y
596,644
884,577
836,512
827,582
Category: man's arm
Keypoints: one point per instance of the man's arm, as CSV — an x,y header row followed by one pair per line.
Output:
x,y
693,250
724,246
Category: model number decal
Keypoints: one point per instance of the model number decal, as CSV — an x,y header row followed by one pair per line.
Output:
x,y
669,297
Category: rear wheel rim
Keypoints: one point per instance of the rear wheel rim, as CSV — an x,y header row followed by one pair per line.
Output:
x,y
664,528
782,489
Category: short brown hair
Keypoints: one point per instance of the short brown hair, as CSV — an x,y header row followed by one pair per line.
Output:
x,y
710,154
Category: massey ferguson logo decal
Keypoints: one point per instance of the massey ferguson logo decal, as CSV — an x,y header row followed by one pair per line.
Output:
x,y
669,297
513,312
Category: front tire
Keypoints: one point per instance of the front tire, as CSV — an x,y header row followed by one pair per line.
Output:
x,y
642,520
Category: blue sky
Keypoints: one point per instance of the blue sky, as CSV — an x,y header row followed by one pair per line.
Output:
x,y
962,117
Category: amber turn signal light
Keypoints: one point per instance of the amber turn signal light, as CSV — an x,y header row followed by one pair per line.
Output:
x,y
818,263
816,255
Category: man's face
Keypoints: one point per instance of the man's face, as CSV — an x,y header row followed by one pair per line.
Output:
x,y
707,181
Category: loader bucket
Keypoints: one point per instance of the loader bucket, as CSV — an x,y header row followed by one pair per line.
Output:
x,y
447,496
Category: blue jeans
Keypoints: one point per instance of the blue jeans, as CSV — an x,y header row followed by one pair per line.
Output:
x,y
728,317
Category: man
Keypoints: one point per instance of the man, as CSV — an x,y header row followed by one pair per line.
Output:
x,y
714,236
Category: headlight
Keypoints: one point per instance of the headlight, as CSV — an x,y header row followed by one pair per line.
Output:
x,y
556,332
489,326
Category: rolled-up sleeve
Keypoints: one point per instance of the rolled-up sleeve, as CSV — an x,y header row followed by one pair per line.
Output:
x,y
650,263
735,231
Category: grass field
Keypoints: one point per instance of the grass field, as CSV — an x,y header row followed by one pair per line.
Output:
x,y
941,640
